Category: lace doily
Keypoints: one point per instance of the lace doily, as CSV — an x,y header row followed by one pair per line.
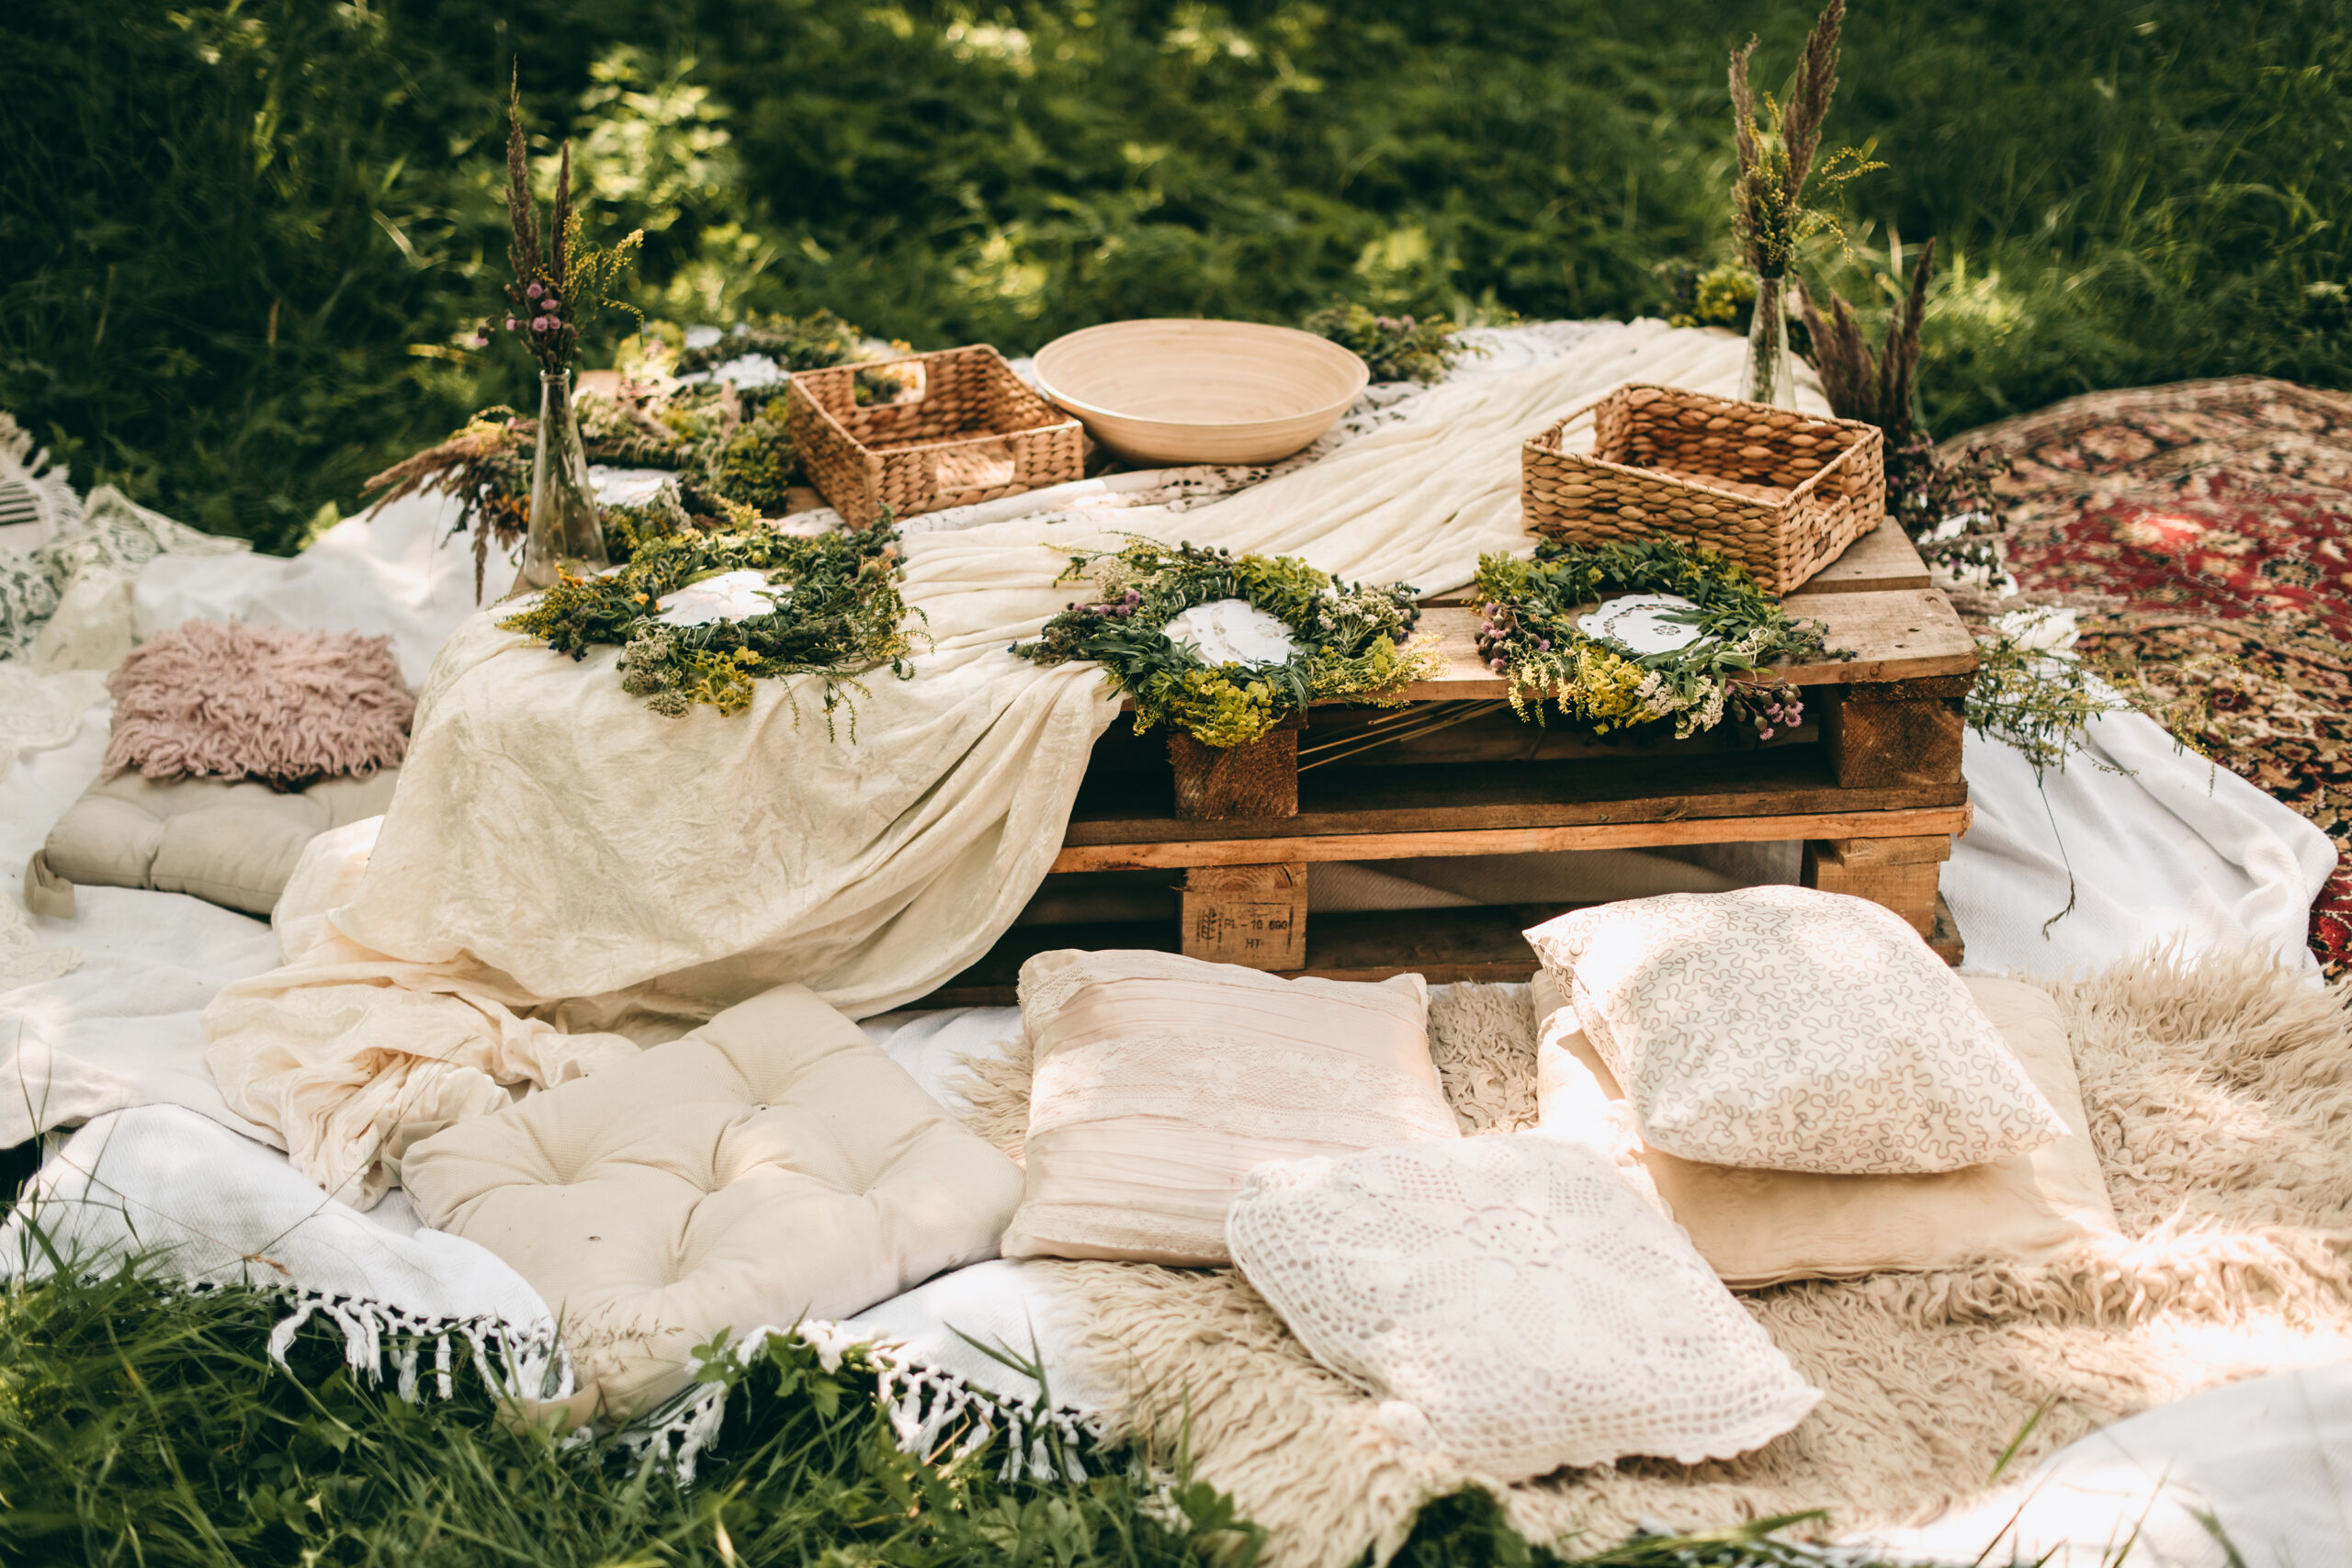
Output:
x,y
40,709
24,959
1232,631
112,535
1513,1304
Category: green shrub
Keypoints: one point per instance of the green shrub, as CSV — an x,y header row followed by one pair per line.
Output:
x,y
240,244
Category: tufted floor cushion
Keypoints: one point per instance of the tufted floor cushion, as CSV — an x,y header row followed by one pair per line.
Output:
x,y
772,1164
229,843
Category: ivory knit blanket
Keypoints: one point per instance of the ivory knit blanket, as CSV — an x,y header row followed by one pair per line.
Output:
x,y
552,842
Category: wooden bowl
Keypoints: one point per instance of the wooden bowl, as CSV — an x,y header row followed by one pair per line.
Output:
x,y
1166,392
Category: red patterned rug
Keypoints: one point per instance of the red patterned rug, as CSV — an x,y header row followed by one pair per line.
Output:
x,y
2202,526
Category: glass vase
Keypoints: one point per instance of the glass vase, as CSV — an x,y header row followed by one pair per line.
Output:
x,y
1770,375
564,531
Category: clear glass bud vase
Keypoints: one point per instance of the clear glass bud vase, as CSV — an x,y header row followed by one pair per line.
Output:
x,y
1770,375
564,531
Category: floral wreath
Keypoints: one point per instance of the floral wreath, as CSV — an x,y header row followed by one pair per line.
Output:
x,y
699,614
1225,648
1533,634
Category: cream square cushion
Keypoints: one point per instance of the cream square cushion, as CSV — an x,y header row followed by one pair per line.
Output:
x,y
229,843
1160,1080
1765,1227
772,1165
1514,1304
1786,1028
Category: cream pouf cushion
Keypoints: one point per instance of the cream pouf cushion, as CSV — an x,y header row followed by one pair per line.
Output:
x,y
1513,1304
1766,1228
772,1165
1159,1080
229,842
1786,1028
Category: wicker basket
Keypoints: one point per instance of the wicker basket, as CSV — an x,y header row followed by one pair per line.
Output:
x,y
1782,493
968,430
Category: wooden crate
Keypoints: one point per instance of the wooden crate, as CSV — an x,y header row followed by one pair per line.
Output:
x,y
1870,782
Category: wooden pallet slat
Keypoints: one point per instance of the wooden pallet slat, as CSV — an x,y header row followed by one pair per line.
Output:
x,y
1172,854
1899,634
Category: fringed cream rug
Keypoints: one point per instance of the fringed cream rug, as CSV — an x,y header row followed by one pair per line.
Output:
x,y
2220,1098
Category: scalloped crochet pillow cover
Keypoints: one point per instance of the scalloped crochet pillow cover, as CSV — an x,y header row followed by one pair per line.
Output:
x,y
1514,1304
222,699
1160,1080
1787,1029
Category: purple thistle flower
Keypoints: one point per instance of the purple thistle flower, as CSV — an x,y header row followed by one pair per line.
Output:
x,y
538,323
534,291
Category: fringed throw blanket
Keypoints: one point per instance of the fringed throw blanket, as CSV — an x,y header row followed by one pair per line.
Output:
x,y
2218,1096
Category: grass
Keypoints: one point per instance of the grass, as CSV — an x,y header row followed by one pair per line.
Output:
x,y
241,243
145,1426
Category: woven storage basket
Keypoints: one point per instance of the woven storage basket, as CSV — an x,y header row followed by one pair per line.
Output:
x,y
1782,493
972,431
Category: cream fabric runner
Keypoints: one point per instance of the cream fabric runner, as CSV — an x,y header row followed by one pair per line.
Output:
x,y
552,839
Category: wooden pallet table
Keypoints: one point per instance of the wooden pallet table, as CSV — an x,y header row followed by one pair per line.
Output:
x,y
1871,784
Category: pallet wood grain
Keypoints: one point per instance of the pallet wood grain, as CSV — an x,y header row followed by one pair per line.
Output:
x,y
1408,844
1216,784
1251,915
1906,887
1897,634
1882,733
1882,559
1441,798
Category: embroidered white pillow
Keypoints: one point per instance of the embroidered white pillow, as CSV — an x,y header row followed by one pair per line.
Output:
x,y
1159,1081
1514,1304
1787,1029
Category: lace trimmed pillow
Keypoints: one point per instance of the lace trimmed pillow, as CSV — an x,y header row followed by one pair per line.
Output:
x,y
1159,1081
1787,1029
1514,1304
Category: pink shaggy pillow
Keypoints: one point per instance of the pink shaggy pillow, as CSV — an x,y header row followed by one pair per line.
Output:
x,y
210,700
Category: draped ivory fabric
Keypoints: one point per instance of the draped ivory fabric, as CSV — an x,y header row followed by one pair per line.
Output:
x,y
552,839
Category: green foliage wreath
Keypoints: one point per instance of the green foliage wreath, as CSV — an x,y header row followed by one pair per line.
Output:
x,y
1351,641
1530,633
838,610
